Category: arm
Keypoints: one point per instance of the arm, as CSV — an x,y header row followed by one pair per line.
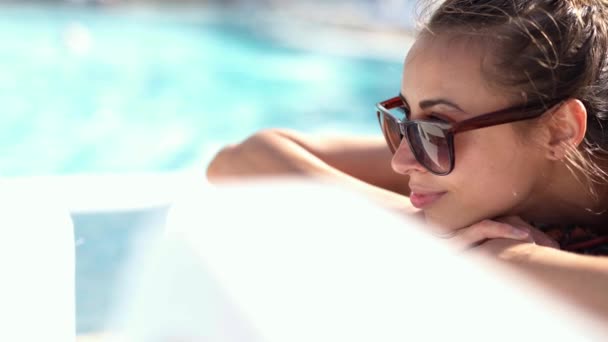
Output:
x,y
583,280
365,158
363,163
580,279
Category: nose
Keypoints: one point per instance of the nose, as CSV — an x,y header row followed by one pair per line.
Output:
x,y
404,162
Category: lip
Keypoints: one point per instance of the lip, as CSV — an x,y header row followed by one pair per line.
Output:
x,y
424,198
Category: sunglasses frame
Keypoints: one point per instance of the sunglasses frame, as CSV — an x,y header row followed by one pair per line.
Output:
x,y
508,115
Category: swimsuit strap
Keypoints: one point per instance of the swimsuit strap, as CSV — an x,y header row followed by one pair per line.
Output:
x,y
578,239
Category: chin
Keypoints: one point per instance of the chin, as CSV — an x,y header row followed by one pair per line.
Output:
x,y
447,223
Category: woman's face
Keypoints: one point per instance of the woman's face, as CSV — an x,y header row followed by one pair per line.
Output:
x,y
497,170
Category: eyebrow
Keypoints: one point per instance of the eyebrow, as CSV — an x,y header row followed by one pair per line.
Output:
x,y
430,103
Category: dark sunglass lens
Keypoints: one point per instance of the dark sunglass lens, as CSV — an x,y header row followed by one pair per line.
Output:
x,y
391,131
429,144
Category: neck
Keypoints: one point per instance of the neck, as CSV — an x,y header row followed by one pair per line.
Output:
x,y
569,198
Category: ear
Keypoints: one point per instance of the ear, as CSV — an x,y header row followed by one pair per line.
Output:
x,y
566,126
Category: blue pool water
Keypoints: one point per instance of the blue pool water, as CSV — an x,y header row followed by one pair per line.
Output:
x,y
98,90
87,90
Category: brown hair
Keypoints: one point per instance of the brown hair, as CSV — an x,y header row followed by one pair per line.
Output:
x,y
545,50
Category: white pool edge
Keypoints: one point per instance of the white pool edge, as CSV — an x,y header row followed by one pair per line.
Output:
x,y
110,192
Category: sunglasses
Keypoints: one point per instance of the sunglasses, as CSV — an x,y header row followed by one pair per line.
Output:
x,y
432,141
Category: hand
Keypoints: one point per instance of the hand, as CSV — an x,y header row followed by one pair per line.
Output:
x,y
511,227
537,236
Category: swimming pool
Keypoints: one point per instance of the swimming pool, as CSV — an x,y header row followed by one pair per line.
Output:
x,y
105,90
146,90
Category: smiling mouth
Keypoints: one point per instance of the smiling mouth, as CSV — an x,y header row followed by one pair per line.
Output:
x,y
424,200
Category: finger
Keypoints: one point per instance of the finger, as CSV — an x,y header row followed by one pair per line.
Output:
x,y
488,229
515,221
540,238
536,235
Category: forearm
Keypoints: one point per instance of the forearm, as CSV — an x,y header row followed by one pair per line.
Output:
x,y
365,158
266,154
273,153
282,152
580,279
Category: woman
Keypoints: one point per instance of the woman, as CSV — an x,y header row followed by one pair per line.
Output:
x,y
496,136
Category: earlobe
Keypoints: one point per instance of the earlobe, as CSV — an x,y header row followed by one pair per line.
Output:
x,y
557,152
567,128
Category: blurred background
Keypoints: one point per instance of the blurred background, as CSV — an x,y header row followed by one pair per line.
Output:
x,y
116,87
130,86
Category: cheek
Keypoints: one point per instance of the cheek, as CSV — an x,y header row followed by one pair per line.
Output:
x,y
495,156
494,173
480,158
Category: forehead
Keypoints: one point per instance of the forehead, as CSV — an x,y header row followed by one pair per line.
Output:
x,y
445,47
450,67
